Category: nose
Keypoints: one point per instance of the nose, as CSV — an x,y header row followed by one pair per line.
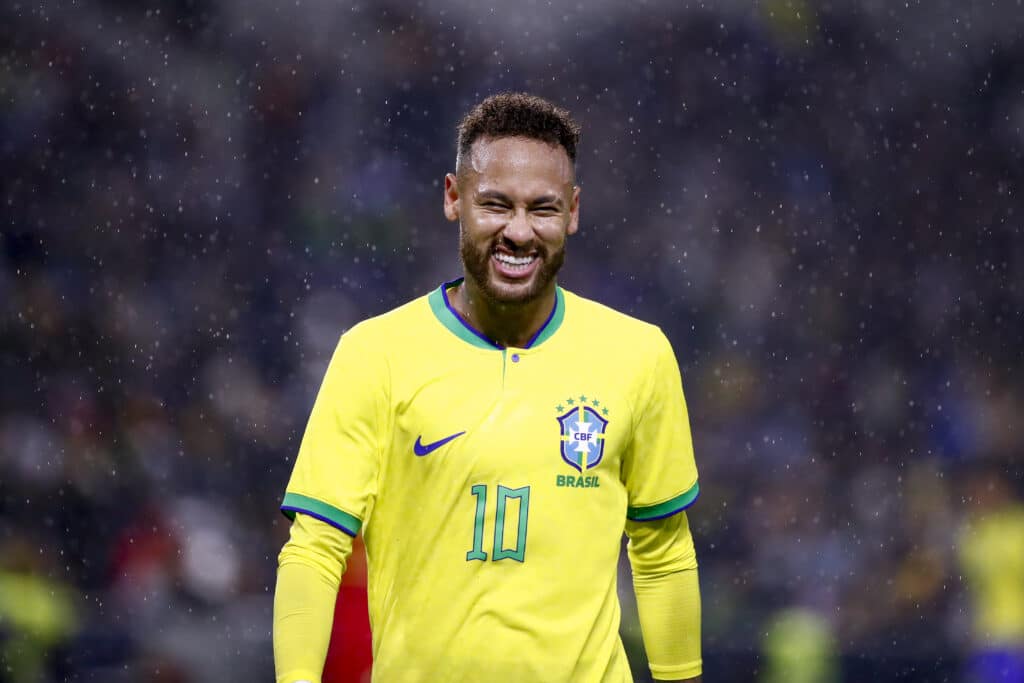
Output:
x,y
518,230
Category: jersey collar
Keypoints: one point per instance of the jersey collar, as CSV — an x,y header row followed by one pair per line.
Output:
x,y
460,327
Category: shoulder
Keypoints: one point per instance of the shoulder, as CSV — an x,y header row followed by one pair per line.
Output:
x,y
373,342
600,322
390,328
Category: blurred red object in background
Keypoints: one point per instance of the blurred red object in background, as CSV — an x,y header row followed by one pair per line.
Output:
x,y
350,656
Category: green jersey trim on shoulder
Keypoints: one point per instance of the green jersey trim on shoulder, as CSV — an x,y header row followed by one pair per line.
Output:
x,y
339,519
649,513
447,316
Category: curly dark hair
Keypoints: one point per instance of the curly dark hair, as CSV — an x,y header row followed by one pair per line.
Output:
x,y
516,114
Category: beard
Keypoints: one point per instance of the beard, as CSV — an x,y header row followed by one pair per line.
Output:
x,y
477,263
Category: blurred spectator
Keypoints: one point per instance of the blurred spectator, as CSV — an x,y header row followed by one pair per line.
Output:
x,y
799,648
38,614
991,543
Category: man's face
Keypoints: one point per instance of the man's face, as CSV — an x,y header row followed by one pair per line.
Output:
x,y
515,202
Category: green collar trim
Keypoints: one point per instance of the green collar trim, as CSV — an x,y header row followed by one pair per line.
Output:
x,y
447,316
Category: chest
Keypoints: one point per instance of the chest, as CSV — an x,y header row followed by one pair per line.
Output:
x,y
564,419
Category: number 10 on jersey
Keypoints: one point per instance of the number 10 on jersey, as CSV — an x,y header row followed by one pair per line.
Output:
x,y
503,518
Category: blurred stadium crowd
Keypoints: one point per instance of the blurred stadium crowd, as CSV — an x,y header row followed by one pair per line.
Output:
x,y
819,203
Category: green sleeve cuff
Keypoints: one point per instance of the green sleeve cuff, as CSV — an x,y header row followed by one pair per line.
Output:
x,y
339,519
649,513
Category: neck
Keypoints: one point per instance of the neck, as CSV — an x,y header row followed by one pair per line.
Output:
x,y
508,324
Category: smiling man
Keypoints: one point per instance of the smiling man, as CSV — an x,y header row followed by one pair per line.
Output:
x,y
493,441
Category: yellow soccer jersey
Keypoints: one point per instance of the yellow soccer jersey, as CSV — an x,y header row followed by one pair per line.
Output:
x,y
492,484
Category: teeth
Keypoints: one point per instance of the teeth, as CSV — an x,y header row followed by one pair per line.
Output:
x,y
514,261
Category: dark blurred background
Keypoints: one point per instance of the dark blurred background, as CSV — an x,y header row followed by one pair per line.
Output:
x,y
818,202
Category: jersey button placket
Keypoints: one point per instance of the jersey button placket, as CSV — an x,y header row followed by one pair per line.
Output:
x,y
515,358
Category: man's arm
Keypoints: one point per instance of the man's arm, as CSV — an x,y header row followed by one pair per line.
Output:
x,y
309,570
667,595
332,481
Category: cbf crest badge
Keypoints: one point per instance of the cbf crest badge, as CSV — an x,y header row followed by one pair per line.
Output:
x,y
583,428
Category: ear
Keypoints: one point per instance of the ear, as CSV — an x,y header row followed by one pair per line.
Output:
x,y
451,197
574,211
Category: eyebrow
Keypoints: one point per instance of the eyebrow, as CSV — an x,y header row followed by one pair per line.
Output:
x,y
502,197
546,199
494,194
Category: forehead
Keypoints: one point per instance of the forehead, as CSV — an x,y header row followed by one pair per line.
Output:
x,y
520,160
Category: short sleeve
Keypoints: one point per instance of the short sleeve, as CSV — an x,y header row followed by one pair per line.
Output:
x,y
335,473
659,471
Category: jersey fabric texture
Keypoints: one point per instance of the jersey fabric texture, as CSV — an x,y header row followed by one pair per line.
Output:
x,y
493,485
